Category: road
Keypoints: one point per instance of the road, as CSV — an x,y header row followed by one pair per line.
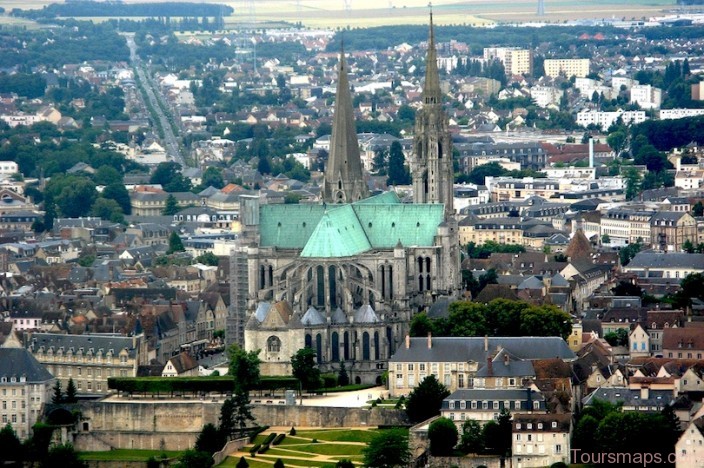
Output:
x,y
171,145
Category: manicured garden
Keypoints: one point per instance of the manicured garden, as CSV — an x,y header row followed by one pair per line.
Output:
x,y
305,448
129,455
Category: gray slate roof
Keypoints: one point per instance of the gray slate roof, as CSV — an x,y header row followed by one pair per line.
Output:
x,y
466,349
655,260
18,362
96,342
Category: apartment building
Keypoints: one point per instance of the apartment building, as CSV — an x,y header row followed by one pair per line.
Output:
x,y
646,96
540,439
606,119
568,67
516,61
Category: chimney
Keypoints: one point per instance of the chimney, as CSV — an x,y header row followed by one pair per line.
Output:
x,y
644,393
430,340
506,359
489,367
486,343
408,341
591,153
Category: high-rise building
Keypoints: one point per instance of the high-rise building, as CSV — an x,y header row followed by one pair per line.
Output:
x,y
568,67
516,61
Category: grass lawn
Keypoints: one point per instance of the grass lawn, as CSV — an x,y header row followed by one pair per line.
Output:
x,y
349,435
128,455
294,462
293,440
331,449
292,452
231,462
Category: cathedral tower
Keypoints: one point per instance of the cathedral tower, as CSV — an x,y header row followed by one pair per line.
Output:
x,y
344,180
431,163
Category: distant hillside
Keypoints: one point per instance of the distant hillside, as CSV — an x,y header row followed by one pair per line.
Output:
x,y
115,9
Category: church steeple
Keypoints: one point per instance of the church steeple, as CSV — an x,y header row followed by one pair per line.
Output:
x,y
344,180
431,163
431,88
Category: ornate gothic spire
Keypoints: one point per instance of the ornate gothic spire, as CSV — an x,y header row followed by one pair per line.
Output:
x,y
431,89
344,180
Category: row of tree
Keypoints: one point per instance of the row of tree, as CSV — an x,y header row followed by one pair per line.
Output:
x,y
500,317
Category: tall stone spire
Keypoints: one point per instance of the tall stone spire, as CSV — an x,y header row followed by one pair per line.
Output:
x,y
344,180
431,89
431,162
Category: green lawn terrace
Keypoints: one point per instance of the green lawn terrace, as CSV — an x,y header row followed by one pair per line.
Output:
x,y
308,448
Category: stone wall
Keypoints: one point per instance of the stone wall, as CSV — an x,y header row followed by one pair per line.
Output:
x,y
175,425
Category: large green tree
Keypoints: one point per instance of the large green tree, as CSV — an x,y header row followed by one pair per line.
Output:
x,y
169,176
175,243
443,437
63,456
119,193
425,400
388,449
210,439
471,440
305,368
244,367
11,446
73,195
398,171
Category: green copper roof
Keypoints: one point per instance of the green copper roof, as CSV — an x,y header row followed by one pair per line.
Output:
x,y
389,197
379,222
338,235
410,224
288,226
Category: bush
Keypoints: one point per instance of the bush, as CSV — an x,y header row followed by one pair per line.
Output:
x,y
269,438
329,380
558,465
264,449
255,449
314,441
278,439
378,401
293,431
256,432
374,404
279,463
152,462
242,463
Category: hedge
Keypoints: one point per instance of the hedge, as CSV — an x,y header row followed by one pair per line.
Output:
x,y
263,449
224,384
279,439
269,438
254,449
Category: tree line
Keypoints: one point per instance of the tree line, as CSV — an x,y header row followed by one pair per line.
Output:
x,y
113,9
500,317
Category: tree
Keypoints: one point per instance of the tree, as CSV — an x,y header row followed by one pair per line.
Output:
x,y
208,258
195,459
344,463
212,177
388,449
471,440
698,209
107,209
119,193
58,396
171,207
168,175
305,369
210,439
64,456
443,437
11,445
279,463
688,246
242,463
244,367
633,182
342,377
425,400
626,288
71,392
627,253
398,172
616,140
264,165
106,175
380,162
421,325
175,243
605,239
74,195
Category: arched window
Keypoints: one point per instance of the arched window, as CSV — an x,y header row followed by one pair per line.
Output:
x,y
319,348
309,341
332,286
376,345
320,273
365,346
273,344
439,150
346,346
427,264
420,264
262,277
335,347
420,283
427,282
271,275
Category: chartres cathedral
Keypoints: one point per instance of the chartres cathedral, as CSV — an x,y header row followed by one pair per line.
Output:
x,y
344,277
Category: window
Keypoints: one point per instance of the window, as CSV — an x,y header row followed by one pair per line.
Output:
x,y
452,416
485,405
273,344
452,404
554,424
463,404
540,425
496,405
474,405
558,448
399,367
536,405
410,367
460,381
421,367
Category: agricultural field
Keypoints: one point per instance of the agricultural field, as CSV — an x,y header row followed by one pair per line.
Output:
x,y
307,448
367,13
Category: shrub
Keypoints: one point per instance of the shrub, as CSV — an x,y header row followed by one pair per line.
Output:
x,y
242,463
278,439
378,400
293,431
263,449
374,404
255,449
256,432
314,441
269,438
279,463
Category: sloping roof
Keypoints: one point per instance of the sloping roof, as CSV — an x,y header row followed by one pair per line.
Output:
x,y
654,260
338,234
18,362
87,341
465,349
365,314
338,316
312,317
579,247
183,362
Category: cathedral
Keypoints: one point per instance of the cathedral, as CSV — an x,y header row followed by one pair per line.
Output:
x,y
344,277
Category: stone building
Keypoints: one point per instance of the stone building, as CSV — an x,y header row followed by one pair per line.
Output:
x,y
345,277
25,386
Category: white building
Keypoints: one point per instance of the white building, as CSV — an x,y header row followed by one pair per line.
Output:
x,y
606,119
545,96
539,440
646,96
516,61
667,114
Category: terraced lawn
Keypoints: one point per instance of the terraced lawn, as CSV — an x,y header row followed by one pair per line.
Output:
x,y
128,455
